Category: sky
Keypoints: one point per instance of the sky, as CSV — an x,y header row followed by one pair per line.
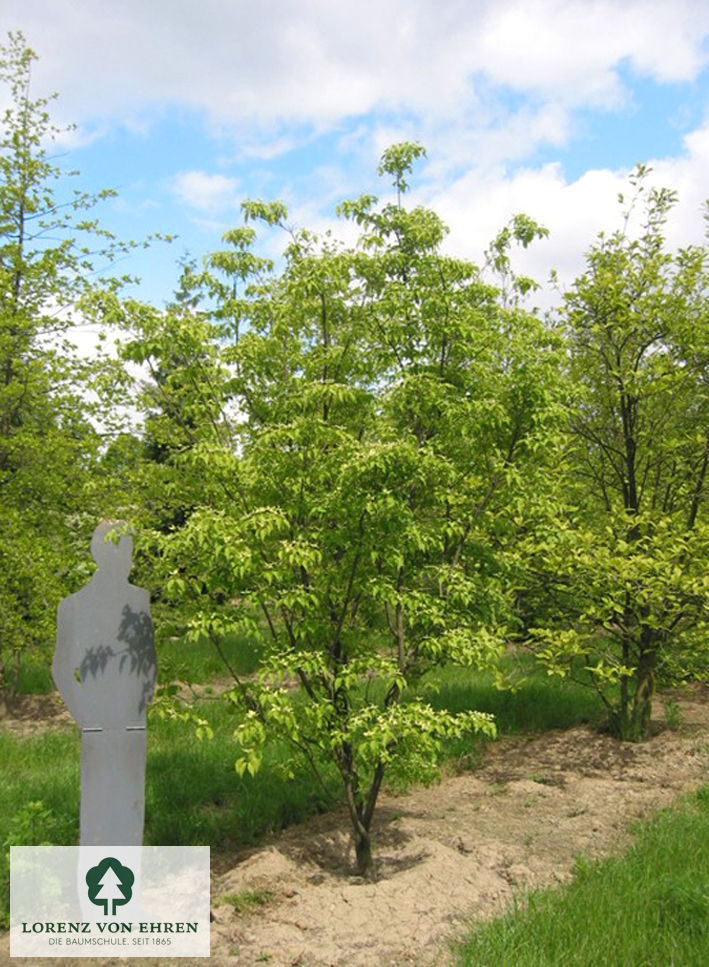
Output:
x,y
187,107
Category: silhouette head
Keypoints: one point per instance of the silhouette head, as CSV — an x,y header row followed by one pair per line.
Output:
x,y
113,559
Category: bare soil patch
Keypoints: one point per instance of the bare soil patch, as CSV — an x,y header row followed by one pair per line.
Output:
x,y
455,851
26,715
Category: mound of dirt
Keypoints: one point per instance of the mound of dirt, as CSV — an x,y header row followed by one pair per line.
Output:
x,y
455,851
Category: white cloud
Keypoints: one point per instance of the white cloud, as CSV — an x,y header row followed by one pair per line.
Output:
x,y
319,61
271,148
477,205
570,50
210,193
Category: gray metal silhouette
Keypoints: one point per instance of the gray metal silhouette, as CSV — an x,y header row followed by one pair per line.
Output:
x,y
105,667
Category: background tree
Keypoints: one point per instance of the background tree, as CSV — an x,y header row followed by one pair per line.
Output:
x,y
48,437
633,551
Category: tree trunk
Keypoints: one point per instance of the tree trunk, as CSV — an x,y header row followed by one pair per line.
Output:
x,y
17,658
363,851
633,720
644,691
625,678
361,813
355,807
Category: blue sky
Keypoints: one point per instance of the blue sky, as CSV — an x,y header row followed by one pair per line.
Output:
x,y
543,106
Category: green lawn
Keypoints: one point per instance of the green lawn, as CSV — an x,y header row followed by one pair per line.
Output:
x,y
540,703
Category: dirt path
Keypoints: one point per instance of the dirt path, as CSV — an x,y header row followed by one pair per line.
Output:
x,y
454,851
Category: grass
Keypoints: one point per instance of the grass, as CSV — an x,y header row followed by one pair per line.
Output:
x,y
648,907
539,704
45,768
198,663
247,900
195,797
193,794
35,676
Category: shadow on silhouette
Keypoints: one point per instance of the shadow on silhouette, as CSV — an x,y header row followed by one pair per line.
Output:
x,y
136,631
136,658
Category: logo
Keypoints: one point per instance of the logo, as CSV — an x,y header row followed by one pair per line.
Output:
x,y
110,885
108,901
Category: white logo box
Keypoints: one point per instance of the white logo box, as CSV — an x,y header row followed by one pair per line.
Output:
x,y
139,901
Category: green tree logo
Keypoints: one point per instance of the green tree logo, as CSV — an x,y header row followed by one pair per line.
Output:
x,y
110,883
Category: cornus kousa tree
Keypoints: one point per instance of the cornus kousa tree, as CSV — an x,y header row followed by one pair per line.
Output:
x,y
626,560
355,452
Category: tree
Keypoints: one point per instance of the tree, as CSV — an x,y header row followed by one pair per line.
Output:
x,y
48,442
354,455
630,558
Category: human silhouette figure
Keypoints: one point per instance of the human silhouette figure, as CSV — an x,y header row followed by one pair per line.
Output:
x,y
105,667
